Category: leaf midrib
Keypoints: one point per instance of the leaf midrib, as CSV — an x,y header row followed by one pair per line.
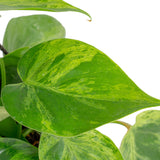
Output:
x,y
39,85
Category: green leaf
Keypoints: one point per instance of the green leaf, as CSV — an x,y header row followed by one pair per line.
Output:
x,y
0,102
142,141
24,32
3,73
3,114
70,87
8,127
42,5
11,60
91,145
14,149
28,31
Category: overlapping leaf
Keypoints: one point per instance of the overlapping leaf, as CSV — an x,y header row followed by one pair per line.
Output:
x,y
27,31
42,5
11,60
14,149
91,145
70,87
142,142
8,127
24,32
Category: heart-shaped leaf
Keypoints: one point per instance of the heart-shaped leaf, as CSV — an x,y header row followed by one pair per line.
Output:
x,y
42,5
14,149
27,31
24,32
142,141
70,87
91,145
8,127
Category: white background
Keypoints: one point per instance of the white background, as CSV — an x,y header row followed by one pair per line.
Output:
x,y
127,31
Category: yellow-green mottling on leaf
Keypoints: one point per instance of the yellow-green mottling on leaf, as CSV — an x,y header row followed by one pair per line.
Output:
x,y
71,87
14,149
91,145
142,141
23,33
42,5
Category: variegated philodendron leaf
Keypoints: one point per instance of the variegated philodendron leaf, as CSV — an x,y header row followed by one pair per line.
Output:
x,y
28,31
91,145
142,141
42,5
24,32
8,127
14,149
70,87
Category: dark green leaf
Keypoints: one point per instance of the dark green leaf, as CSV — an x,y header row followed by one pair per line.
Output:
x,y
91,145
42,5
70,87
8,127
27,31
14,149
0,101
11,60
142,141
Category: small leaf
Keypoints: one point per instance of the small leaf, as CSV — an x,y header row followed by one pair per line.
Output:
x,y
8,127
91,145
14,149
70,87
142,141
28,31
42,5
11,60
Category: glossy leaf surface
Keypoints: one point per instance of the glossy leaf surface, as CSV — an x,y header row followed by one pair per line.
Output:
x,y
91,145
14,149
27,31
8,127
142,142
42,5
71,87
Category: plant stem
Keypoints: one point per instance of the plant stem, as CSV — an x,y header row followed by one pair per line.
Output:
x,y
3,49
3,73
128,126
26,132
